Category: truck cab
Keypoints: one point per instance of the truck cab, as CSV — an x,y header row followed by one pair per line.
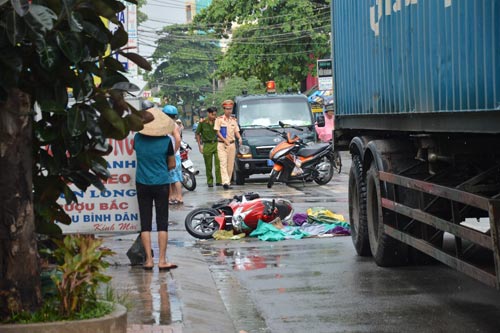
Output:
x,y
257,113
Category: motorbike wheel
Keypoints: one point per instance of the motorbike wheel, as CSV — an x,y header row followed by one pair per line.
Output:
x,y
200,223
272,178
326,177
337,161
188,180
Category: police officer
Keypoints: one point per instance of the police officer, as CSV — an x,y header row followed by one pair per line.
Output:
x,y
206,136
227,131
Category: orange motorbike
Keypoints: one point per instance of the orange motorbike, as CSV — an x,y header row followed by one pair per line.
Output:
x,y
295,160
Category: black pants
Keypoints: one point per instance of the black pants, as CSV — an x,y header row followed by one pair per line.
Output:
x,y
146,196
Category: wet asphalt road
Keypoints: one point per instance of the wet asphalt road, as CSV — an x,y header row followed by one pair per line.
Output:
x,y
308,285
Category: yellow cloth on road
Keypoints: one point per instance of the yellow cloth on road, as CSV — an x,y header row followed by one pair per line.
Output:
x,y
323,215
227,234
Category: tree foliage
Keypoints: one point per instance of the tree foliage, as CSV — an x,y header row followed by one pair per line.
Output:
x,y
271,39
185,62
233,87
49,50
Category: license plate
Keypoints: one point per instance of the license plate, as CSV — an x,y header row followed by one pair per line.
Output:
x,y
270,163
187,164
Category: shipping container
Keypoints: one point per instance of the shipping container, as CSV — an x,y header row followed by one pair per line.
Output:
x,y
417,96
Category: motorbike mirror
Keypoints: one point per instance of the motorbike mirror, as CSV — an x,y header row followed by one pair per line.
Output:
x,y
320,121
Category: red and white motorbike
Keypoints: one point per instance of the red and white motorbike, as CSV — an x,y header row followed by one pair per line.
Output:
x,y
188,170
241,214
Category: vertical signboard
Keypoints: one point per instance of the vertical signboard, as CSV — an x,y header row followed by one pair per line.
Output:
x,y
325,74
128,18
116,208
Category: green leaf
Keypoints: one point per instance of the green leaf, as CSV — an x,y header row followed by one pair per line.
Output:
x,y
75,145
125,86
75,22
49,228
12,59
114,64
135,122
40,18
69,195
119,38
49,105
115,121
100,169
110,78
108,9
76,121
137,59
21,6
97,31
70,44
14,27
92,179
48,55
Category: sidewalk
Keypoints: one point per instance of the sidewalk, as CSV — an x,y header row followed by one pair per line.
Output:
x,y
137,328
183,300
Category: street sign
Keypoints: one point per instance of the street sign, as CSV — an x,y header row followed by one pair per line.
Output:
x,y
325,74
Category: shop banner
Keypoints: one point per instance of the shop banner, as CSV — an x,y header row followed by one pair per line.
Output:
x,y
113,210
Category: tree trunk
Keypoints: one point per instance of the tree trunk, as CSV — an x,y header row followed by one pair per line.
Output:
x,y
19,266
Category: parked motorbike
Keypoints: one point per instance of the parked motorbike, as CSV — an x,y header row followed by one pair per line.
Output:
x,y
241,214
188,170
294,160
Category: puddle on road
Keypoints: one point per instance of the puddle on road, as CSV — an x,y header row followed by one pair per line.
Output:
x,y
239,261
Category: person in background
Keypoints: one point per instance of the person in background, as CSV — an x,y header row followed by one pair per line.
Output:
x,y
181,126
325,133
176,174
155,157
206,137
227,131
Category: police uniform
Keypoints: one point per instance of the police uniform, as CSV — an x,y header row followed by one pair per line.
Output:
x,y
226,128
208,137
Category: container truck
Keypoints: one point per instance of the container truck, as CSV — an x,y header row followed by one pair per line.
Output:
x,y
417,94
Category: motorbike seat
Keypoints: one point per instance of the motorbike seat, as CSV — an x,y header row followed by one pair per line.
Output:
x,y
312,150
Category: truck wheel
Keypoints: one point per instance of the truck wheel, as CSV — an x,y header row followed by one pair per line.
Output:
x,y
357,208
239,178
386,251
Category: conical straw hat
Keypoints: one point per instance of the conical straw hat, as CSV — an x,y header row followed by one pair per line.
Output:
x,y
162,124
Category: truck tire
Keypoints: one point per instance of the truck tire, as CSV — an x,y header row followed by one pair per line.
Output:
x,y
239,177
357,208
386,251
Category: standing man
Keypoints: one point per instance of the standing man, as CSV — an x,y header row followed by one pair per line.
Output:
x,y
206,136
227,131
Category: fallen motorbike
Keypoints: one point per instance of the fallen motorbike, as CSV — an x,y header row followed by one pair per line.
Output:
x,y
188,170
294,160
241,214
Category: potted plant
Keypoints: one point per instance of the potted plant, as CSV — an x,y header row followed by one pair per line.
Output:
x,y
72,301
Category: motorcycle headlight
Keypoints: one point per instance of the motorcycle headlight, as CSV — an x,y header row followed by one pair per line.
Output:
x,y
244,151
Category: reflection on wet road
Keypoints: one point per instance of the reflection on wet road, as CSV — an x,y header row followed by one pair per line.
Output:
x,y
150,296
